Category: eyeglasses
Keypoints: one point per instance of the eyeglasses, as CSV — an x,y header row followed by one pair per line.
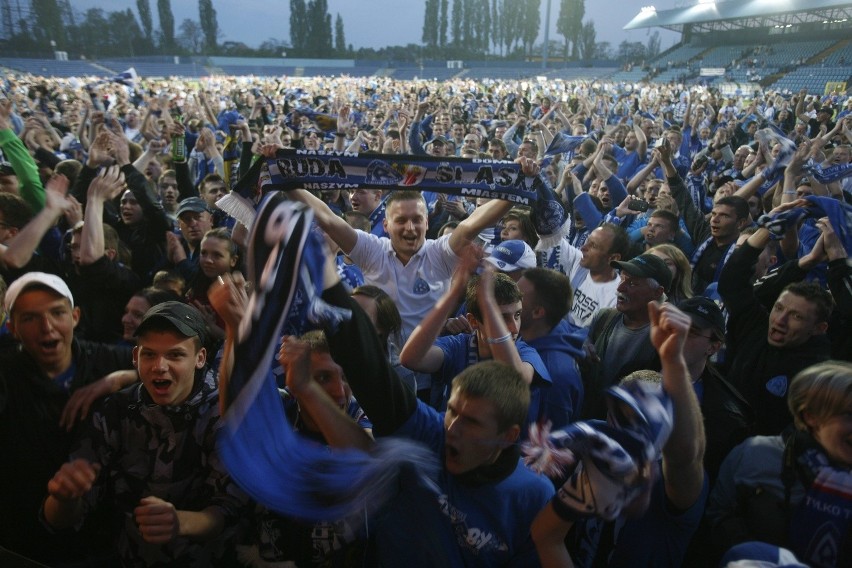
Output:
x,y
695,332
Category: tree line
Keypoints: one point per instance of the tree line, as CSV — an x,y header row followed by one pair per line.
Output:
x,y
452,29
98,33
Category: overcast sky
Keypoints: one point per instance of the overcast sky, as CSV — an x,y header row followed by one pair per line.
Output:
x,y
377,23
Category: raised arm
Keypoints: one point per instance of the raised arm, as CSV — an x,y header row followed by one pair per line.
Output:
x,y
29,183
338,429
420,352
683,454
486,215
19,250
108,184
494,329
335,227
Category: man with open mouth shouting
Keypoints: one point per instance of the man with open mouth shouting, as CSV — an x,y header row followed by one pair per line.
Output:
x,y
149,455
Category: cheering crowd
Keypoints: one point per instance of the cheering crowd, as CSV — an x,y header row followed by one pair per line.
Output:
x,y
649,366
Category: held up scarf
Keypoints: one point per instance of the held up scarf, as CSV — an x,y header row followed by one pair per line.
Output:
x,y
312,170
284,472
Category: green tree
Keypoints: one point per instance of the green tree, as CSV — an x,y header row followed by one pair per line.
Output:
x,y
319,39
588,38
339,36
442,27
191,36
511,15
125,35
631,51
484,25
531,23
653,48
497,25
430,23
93,41
48,23
570,24
209,25
144,9
167,24
457,22
298,25
467,32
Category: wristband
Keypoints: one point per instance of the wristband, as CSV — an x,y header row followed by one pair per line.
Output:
x,y
340,134
501,339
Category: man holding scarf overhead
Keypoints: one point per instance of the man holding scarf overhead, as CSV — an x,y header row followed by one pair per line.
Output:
x,y
413,270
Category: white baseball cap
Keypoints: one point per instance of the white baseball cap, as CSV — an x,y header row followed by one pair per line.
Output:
x,y
31,279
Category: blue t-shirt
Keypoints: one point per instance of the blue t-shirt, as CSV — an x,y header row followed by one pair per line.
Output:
x,y
460,352
461,524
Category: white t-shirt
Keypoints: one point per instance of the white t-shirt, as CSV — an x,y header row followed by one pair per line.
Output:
x,y
589,296
414,287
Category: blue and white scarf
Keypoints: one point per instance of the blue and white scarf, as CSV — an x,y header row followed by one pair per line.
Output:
x,y
269,461
314,170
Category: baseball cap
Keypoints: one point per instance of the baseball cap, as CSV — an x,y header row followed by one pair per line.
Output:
x,y
705,314
512,255
184,318
439,140
722,180
31,279
193,204
6,169
646,266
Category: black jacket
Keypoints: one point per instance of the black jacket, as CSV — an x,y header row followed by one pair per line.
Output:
x,y
761,372
102,290
34,447
727,416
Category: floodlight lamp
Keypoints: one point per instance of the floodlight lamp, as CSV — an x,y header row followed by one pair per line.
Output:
x,y
706,1
647,10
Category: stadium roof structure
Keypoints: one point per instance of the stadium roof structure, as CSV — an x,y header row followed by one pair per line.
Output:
x,y
707,15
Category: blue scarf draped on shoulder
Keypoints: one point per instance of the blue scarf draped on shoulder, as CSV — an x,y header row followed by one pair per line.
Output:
x,y
286,473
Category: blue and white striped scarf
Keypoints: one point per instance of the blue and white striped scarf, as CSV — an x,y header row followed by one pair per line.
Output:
x,y
269,461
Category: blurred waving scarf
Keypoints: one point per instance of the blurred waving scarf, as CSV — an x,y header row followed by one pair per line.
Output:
x,y
773,173
325,122
269,461
599,464
839,215
563,143
829,174
496,179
